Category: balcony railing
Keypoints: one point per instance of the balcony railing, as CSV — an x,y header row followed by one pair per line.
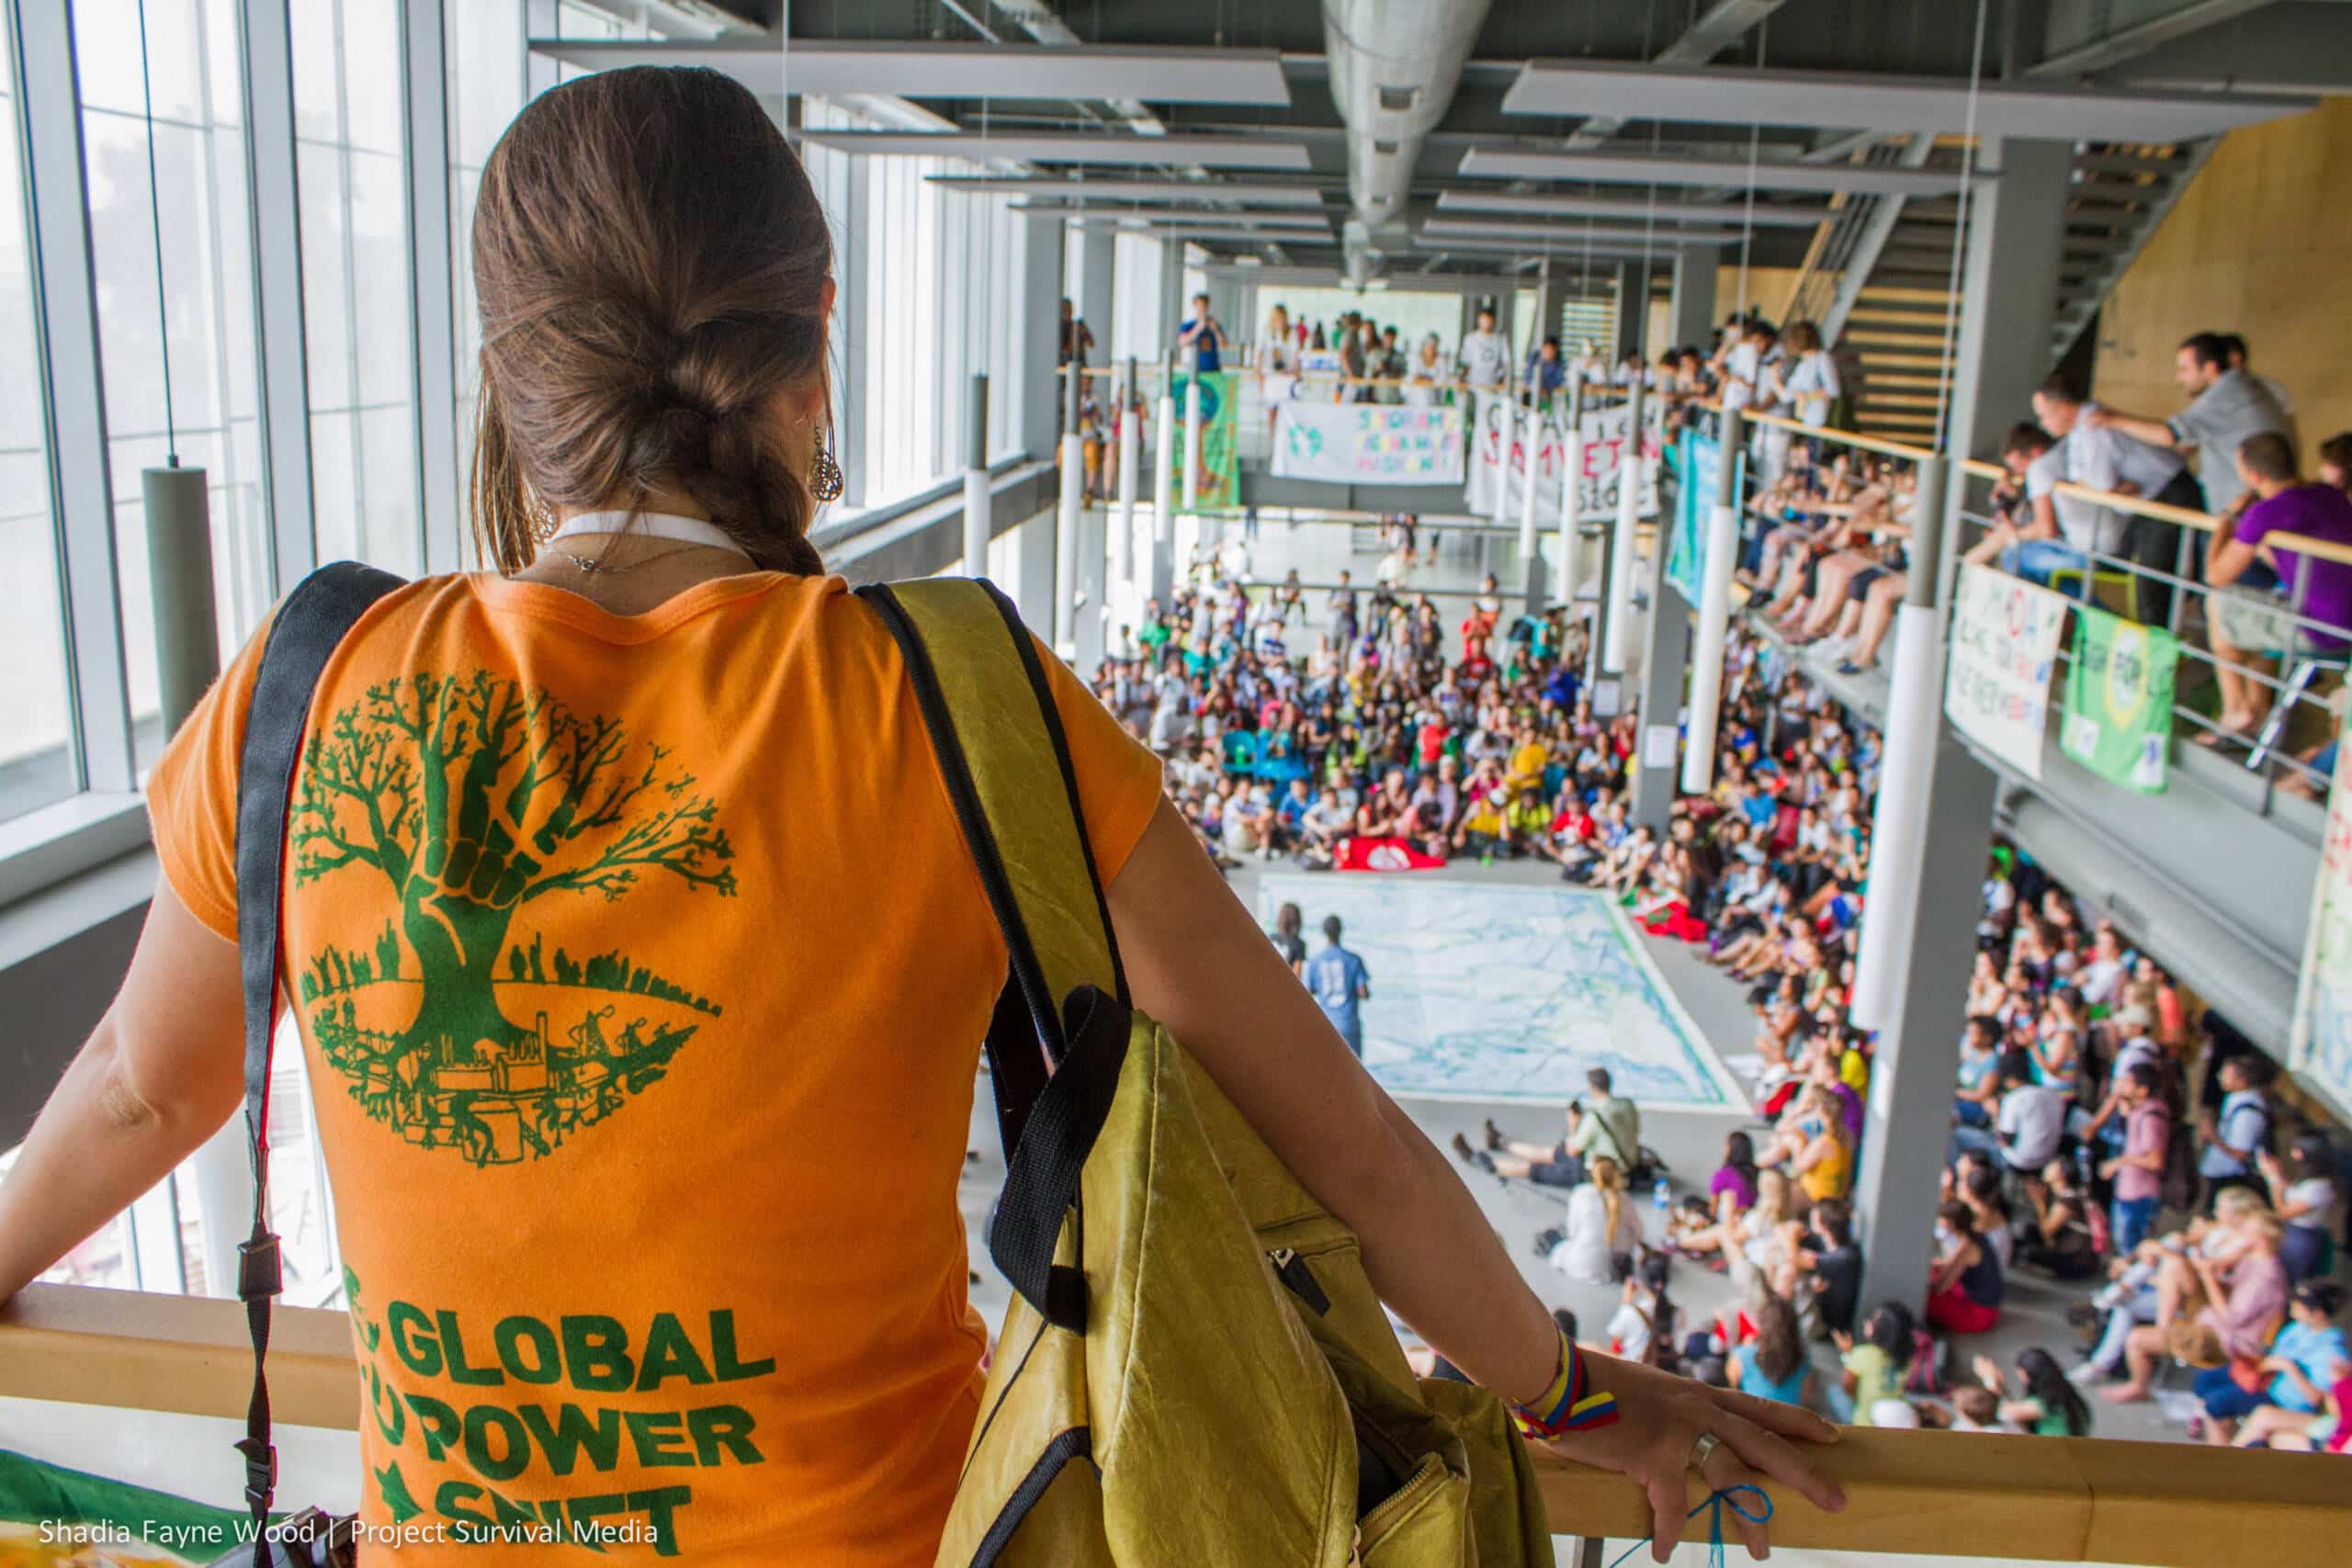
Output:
x,y
1909,1494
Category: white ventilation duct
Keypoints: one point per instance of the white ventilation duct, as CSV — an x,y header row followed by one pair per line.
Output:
x,y
1394,67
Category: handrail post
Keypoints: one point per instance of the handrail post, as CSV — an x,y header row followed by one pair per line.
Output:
x,y
978,524
1068,501
1529,565
1163,511
1123,520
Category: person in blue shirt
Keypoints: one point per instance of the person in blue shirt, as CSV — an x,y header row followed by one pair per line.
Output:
x,y
1547,371
2305,1359
2239,1133
1200,331
1338,980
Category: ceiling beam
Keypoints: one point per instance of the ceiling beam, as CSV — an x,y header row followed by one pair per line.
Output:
x,y
1722,24
1663,212
2131,41
1169,217
1664,239
1742,97
1075,147
1627,168
1239,192
831,67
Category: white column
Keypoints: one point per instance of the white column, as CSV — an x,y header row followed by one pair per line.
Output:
x,y
1122,519
1499,507
1898,825
1163,507
223,1164
1066,540
1564,568
1714,614
1621,547
1530,566
979,500
1192,476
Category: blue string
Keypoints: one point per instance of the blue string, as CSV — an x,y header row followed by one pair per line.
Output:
x,y
1715,1507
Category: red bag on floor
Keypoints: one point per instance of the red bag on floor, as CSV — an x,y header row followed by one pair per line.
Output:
x,y
1382,854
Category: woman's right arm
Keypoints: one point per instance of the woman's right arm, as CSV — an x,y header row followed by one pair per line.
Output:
x,y
1198,964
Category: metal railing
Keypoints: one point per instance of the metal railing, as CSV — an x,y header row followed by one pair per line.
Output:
x,y
2313,647
1909,1494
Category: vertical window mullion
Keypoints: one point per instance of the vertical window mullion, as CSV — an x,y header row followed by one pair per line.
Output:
x,y
66,328
272,194
433,355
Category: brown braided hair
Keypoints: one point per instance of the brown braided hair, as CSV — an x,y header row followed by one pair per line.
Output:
x,y
650,262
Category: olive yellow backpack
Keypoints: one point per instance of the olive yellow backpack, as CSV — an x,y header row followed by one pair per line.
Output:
x,y
1195,1370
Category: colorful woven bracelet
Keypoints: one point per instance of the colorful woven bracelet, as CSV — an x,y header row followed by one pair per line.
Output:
x,y
1571,1404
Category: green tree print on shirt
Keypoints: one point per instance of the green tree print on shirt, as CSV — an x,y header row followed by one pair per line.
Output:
x,y
474,797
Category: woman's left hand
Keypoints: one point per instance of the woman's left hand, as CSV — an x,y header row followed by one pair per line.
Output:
x,y
1661,1417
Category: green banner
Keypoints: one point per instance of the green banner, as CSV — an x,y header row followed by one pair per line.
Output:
x,y
2118,700
1220,480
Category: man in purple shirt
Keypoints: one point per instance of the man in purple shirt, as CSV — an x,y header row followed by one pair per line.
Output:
x,y
2246,625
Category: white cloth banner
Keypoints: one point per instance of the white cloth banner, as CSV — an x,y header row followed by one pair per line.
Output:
x,y
2320,1054
1394,443
2004,636
1605,440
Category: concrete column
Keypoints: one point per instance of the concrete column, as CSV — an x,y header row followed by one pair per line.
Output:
x,y
1633,305
1164,490
1069,501
1037,263
1032,570
1692,315
1123,517
1665,655
1093,634
2016,224
1714,612
1190,480
1172,303
1098,267
1623,561
1907,1118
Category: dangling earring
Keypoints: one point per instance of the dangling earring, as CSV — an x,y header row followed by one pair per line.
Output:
x,y
825,481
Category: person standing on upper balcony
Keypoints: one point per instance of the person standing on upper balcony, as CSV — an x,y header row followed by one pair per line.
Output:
x,y
2248,624
2100,454
2226,405
1807,380
1200,331
1484,356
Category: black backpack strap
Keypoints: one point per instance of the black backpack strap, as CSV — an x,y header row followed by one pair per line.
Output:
x,y
976,674
307,627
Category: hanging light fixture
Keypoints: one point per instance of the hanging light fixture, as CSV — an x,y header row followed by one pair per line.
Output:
x,y
177,502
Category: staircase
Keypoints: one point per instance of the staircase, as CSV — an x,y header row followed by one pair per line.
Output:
x,y
1881,279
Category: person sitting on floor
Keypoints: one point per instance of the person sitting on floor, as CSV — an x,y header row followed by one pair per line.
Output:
x,y
1603,1227
1773,1365
2292,1376
2046,1404
1964,1284
2207,1315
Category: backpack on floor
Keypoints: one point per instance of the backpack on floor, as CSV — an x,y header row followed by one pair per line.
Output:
x,y
1195,1368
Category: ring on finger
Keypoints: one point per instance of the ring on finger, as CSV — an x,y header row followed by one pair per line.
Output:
x,y
1703,1449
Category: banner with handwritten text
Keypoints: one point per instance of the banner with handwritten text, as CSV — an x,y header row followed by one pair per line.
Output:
x,y
1392,444
2004,645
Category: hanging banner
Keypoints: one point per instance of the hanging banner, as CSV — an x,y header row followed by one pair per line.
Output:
x,y
1694,506
2118,700
1605,440
1393,443
1220,480
2320,1052
2004,645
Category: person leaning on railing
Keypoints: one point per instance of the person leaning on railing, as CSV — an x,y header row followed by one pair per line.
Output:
x,y
2250,626
2226,405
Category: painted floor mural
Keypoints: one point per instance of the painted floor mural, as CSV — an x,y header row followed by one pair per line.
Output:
x,y
1489,992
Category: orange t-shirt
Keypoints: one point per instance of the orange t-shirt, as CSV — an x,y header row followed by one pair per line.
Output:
x,y
641,973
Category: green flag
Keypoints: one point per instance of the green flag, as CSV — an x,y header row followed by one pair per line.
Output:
x,y
1220,480
2118,700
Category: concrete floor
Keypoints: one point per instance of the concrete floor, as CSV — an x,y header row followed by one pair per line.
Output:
x,y
1691,1144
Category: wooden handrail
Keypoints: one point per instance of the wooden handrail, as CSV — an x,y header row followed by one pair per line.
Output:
x,y
2161,511
1927,1493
